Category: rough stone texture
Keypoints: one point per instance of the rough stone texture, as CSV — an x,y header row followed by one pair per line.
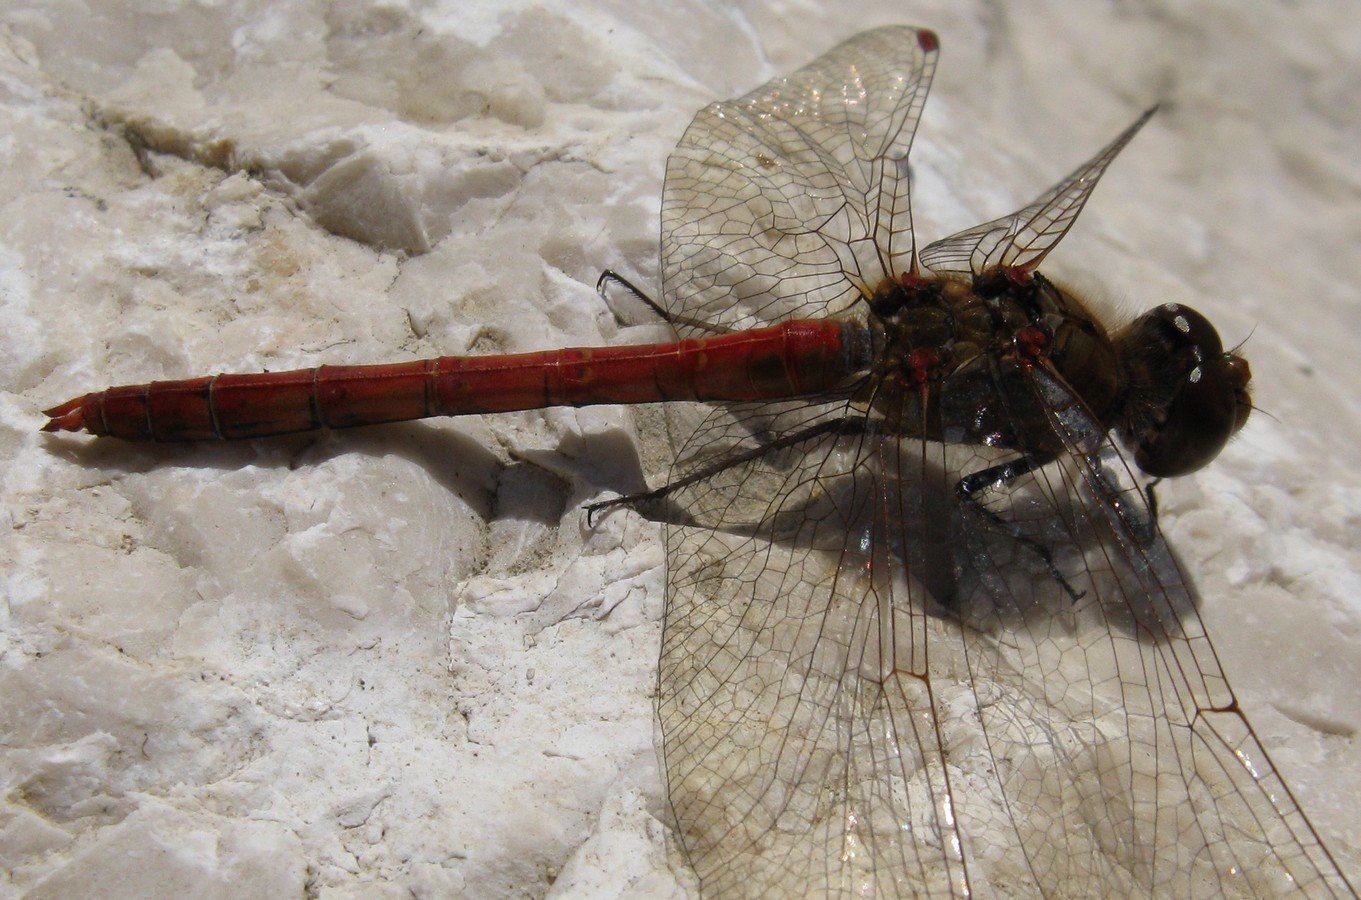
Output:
x,y
396,660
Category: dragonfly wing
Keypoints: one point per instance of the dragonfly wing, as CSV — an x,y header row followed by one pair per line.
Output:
x,y
1025,237
1123,760
789,201
869,686
799,726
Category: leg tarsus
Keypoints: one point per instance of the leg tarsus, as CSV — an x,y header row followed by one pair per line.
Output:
x,y
610,276
1146,531
1152,499
626,500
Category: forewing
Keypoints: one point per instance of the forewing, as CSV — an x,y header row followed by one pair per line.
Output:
x,y
793,200
1025,237
1120,752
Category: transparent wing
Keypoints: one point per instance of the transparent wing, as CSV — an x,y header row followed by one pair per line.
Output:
x,y
789,201
799,726
871,687
1025,237
1120,753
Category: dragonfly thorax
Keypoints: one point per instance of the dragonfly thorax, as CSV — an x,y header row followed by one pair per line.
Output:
x,y
953,356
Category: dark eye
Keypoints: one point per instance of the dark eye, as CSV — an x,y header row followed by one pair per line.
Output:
x,y
1188,395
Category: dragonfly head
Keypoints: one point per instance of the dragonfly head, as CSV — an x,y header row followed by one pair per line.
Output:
x,y
1186,395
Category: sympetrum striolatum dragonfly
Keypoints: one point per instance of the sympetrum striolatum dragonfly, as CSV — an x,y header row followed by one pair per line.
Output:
x,y
916,591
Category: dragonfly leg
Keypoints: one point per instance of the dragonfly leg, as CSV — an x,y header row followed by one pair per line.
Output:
x,y
1152,499
1142,523
609,276
1003,475
848,427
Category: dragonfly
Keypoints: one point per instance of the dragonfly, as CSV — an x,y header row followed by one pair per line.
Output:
x,y
922,633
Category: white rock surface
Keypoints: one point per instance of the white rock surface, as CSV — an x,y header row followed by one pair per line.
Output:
x,y
395,660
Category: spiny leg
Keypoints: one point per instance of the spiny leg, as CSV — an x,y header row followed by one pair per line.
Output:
x,y
610,276
1004,475
1152,499
1143,528
849,427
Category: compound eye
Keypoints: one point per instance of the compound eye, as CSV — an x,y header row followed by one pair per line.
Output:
x,y
1202,392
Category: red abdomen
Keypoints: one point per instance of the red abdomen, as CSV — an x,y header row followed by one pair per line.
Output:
x,y
787,360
